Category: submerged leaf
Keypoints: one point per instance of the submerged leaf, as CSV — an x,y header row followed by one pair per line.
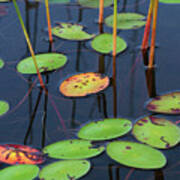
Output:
x,y
72,149
83,84
46,62
168,103
103,43
71,32
127,21
94,3
157,132
136,155
65,170
19,172
170,1
1,63
105,129
4,107
20,154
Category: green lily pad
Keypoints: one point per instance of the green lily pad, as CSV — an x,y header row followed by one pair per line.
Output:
x,y
58,1
136,155
167,103
19,172
105,129
65,170
103,43
72,149
170,1
1,63
94,3
127,21
72,32
4,107
46,62
157,132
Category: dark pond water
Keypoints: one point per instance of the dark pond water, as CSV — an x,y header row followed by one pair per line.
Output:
x,y
131,92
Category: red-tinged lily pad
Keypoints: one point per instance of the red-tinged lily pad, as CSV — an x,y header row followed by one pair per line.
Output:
x,y
168,103
20,154
157,132
83,84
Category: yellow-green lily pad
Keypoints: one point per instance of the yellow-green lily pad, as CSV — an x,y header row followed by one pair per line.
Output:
x,y
72,32
4,107
103,43
46,62
72,149
105,129
83,84
127,21
19,172
157,132
167,103
94,3
136,155
170,1
1,63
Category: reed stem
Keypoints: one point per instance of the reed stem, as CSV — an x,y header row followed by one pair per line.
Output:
x,y
153,37
101,11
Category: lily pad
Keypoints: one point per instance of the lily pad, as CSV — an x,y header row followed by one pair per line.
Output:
x,y
20,154
4,107
170,1
83,84
72,32
105,129
94,3
168,103
19,172
136,155
103,43
127,21
1,63
58,1
65,170
157,132
72,149
46,62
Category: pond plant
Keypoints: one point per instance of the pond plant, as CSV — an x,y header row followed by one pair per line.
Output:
x,y
125,142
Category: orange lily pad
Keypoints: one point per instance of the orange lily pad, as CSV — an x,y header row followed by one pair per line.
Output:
x,y
20,154
83,84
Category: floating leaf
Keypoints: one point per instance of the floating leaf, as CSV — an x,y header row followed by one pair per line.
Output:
x,y
94,3
157,132
170,1
127,21
71,32
72,149
65,170
46,62
4,107
103,43
1,63
168,103
19,172
105,129
20,154
136,155
58,1
83,84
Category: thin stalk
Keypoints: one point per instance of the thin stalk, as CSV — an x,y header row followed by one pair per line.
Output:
x,y
144,45
153,37
29,43
101,11
48,21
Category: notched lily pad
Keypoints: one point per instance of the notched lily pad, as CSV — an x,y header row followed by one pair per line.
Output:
x,y
170,1
65,170
1,63
83,84
72,149
168,103
4,107
46,62
20,154
103,43
136,155
71,32
127,21
157,132
19,172
105,129
94,3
